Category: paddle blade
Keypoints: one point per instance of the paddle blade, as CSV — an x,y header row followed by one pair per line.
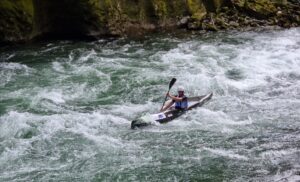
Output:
x,y
172,83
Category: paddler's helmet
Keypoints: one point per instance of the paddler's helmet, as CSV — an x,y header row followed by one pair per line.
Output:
x,y
180,89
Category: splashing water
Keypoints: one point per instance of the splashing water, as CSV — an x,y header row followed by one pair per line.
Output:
x,y
66,109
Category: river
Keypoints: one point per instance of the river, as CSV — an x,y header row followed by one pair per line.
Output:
x,y
66,108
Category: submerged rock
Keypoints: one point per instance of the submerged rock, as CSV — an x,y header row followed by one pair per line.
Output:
x,y
22,20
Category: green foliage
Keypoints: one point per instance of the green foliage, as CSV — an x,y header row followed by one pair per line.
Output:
x,y
197,9
16,19
161,8
261,8
22,19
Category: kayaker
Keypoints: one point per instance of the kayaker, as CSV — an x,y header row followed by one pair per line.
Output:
x,y
180,100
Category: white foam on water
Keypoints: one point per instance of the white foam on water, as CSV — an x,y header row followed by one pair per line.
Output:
x,y
16,150
218,117
14,66
87,55
12,122
48,100
264,62
50,49
196,80
10,56
194,70
256,61
289,175
205,119
208,120
267,56
81,56
12,125
88,126
129,109
9,72
87,72
148,118
43,99
177,56
226,153
247,140
55,96
92,80
274,155
57,66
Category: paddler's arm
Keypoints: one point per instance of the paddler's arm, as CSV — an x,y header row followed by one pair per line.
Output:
x,y
177,99
167,106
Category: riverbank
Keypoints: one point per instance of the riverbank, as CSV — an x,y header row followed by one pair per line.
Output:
x,y
27,20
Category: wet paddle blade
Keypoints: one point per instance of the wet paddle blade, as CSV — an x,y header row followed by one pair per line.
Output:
x,y
172,83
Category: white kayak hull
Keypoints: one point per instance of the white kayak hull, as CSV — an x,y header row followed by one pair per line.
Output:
x,y
172,113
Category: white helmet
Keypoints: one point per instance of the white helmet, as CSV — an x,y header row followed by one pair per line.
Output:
x,y
180,89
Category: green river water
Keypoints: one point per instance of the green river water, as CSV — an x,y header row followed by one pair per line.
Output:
x,y
66,109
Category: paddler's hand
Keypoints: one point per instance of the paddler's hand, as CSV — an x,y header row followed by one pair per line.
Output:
x,y
168,94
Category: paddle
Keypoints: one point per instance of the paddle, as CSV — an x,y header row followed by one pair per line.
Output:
x,y
170,86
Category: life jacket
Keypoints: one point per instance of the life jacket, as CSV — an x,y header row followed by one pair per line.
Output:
x,y
182,104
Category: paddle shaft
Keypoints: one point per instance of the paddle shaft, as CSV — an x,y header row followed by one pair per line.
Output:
x,y
170,86
164,101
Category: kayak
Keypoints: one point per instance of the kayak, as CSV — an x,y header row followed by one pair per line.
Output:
x,y
172,113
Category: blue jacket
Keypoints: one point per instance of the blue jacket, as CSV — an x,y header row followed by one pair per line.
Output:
x,y
183,104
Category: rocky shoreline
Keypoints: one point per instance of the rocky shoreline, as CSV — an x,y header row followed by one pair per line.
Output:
x,y
27,20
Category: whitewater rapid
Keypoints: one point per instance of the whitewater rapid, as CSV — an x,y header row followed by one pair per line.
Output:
x,y
66,108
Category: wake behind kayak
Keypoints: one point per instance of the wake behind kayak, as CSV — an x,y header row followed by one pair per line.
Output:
x,y
170,114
